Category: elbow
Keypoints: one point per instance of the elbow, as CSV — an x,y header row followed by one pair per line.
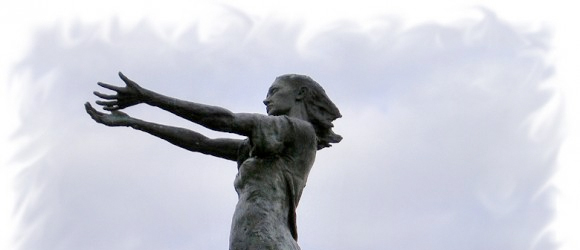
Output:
x,y
225,122
198,145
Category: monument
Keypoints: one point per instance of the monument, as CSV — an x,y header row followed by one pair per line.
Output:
x,y
273,162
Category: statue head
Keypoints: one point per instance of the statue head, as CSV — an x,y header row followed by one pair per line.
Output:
x,y
293,89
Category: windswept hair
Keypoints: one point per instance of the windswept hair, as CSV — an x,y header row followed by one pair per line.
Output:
x,y
320,109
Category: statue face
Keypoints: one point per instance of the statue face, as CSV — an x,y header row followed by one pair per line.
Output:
x,y
280,99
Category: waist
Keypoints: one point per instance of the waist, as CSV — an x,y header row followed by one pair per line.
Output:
x,y
261,220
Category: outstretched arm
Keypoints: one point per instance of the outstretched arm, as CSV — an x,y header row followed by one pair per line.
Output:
x,y
184,138
212,117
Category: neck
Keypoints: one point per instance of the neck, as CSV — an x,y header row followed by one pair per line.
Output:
x,y
299,111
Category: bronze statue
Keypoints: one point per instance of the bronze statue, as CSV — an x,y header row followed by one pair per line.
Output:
x,y
273,162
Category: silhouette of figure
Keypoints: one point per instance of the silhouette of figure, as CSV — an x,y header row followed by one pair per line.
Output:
x,y
273,162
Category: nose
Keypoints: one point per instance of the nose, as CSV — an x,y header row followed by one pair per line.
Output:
x,y
266,101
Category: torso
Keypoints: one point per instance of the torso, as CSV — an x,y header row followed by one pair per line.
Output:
x,y
273,167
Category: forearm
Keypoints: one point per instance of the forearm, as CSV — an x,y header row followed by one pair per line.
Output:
x,y
190,140
212,117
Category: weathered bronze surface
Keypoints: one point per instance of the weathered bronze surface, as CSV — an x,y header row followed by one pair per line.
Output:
x,y
273,162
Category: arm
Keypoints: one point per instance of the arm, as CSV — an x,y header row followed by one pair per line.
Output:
x,y
187,139
212,117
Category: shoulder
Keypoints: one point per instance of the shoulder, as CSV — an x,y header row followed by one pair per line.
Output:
x,y
274,133
300,124
274,122
288,123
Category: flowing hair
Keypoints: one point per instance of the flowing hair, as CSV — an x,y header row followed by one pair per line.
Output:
x,y
320,109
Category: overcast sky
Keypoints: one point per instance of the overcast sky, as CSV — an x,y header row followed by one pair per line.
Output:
x,y
458,123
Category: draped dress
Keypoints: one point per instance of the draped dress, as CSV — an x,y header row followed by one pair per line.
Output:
x,y
273,166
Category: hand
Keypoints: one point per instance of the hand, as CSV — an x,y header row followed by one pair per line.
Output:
x,y
114,119
131,94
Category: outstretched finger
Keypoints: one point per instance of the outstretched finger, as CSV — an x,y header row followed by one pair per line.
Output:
x,y
92,111
107,103
104,96
111,108
126,79
89,108
111,87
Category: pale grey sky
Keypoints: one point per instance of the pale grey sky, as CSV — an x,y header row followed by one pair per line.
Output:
x,y
440,146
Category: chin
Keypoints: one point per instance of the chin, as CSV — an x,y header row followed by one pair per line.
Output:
x,y
272,112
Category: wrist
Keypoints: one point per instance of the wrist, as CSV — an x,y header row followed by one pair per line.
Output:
x,y
134,123
146,95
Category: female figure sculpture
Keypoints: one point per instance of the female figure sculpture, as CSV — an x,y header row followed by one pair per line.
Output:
x,y
273,162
